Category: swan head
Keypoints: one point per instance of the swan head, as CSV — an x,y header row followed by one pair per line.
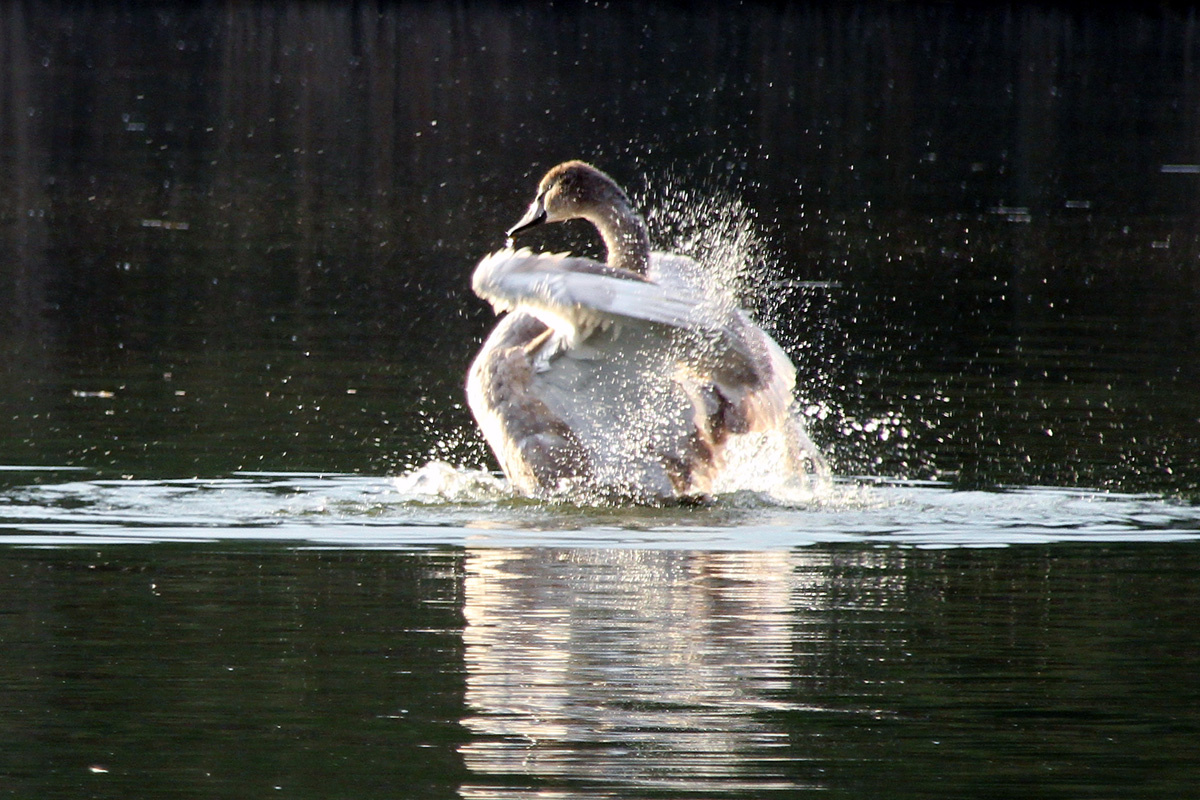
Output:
x,y
571,190
576,190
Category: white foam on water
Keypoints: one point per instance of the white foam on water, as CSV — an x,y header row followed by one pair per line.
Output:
x,y
439,481
438,505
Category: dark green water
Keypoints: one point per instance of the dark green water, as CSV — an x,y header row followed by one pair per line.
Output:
x,y
239,672
235,243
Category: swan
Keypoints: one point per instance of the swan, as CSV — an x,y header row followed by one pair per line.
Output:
x,y
620,380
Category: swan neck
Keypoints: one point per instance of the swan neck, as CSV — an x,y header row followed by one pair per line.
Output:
x,y
625,237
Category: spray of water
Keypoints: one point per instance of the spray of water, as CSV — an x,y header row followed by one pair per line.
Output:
x,y
742,265
738,269
718,230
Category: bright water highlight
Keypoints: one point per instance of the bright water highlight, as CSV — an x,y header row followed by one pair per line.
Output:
x,y
439,505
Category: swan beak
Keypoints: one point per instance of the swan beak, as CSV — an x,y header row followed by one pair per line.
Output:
x,y
536,215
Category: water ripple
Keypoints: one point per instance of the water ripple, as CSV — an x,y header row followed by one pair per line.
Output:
x,y
438,505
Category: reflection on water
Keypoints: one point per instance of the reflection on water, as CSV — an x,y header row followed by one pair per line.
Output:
x,y
848,674
627,672
237,669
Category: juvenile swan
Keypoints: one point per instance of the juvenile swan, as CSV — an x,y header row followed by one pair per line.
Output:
x,y
621,380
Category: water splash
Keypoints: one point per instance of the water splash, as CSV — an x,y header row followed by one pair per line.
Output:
x,y
441,505
738,269
441,482
760,464
716,228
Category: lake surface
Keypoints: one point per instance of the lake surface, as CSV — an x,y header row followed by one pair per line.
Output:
x,y
251,544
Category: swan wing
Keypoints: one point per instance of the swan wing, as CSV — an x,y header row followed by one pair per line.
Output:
x,y
574,295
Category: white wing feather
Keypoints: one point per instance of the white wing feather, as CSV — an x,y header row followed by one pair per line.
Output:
x,y
574,295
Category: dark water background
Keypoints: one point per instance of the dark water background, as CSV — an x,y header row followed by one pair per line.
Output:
x,y
237,237
229,216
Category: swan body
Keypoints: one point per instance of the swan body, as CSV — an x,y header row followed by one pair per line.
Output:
x,y
622,379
